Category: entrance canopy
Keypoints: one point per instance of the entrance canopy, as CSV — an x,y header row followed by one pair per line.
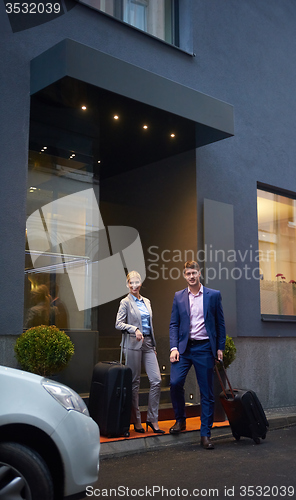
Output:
x,y
116,114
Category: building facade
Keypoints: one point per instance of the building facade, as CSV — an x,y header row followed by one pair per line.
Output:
x,y
140,134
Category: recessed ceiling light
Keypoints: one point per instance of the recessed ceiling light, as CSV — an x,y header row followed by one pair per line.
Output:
x,y
116,117
145,127
173,135
44,147
99,161
83,107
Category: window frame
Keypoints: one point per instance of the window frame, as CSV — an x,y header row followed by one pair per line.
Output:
x,y
181,23
283,318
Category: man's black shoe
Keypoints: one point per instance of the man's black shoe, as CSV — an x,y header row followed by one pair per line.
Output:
x,y
178,427
206,443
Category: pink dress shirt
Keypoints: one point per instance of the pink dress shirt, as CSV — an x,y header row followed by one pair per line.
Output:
x,y
197,323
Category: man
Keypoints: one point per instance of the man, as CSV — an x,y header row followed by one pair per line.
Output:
x,y
197,336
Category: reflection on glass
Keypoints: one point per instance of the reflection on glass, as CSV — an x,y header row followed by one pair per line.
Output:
x,y
62,236
277,251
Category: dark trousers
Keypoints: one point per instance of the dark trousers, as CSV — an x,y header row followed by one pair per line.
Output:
x,y
201,357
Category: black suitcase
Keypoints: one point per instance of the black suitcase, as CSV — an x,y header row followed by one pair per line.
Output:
x,y
244,412
110,398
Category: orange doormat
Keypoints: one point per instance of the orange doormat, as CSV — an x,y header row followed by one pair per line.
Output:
x,y
192,424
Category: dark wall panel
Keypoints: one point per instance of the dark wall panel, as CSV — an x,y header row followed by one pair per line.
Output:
x,y
158,200
220,261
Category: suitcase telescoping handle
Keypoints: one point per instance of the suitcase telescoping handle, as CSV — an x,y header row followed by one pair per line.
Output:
x,y
124,340
220,362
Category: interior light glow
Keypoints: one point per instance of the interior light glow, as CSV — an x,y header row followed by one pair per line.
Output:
x,y
145,127
173,135
83,107
116,117
99,161
44,147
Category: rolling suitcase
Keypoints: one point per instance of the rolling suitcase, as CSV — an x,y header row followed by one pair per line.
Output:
x,y
244,411
110,398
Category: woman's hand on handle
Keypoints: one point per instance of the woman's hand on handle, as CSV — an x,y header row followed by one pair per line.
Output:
x,y
139,335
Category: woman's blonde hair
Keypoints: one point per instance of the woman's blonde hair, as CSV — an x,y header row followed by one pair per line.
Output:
x,y
131,275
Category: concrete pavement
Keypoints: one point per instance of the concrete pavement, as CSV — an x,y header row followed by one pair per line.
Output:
x,y
277,418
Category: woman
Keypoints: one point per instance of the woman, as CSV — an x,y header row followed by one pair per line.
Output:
x,y
135,316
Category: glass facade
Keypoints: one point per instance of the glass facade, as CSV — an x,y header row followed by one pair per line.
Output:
x,y
158,18
277,253
61,239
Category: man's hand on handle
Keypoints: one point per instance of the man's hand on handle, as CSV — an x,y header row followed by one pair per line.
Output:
x,y
220,355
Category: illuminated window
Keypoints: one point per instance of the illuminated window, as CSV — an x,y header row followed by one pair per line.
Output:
x,y
277,252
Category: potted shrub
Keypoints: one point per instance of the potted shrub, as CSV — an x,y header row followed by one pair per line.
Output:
x,y
229,352
44,350
228,357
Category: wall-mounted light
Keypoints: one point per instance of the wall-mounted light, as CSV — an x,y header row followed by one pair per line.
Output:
x,y
163,368
190,396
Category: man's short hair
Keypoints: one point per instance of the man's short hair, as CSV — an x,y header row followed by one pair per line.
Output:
x,y
191,264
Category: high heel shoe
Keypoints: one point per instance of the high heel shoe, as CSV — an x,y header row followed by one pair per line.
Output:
x,y
156,431
141,430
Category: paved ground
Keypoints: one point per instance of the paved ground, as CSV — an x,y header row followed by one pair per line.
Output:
x,y
277,417
233,470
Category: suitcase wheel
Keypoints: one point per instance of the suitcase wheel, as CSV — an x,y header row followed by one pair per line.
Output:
x,y
257,440
126,434
236,436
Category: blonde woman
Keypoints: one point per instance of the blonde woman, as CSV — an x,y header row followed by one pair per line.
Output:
x,y
135,316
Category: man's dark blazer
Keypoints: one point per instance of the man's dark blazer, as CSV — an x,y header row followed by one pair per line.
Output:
x,y
213,315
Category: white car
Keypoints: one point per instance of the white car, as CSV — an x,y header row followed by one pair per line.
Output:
x,y
49,445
